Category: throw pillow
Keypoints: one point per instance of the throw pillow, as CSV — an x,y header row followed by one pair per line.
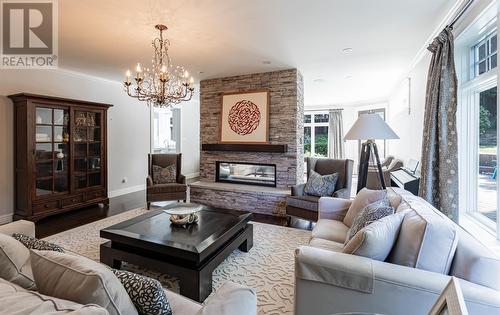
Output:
x,y
321,185
376,240
80,279
368,215
164,175
364,197
147,294
15,262
427,241
34,243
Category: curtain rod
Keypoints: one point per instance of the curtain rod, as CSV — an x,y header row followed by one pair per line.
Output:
x,y
461,13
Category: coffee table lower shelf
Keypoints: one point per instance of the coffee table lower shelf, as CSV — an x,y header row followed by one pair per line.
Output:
x,y
194,282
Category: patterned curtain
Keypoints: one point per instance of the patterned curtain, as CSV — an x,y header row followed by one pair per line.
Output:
x,y
439,182
335,134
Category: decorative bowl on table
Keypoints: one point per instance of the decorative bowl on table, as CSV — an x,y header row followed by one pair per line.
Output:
x,y
183,213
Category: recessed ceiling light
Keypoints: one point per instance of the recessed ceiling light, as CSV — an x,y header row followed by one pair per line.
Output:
x,y
266,62
347,50
348,76
319,80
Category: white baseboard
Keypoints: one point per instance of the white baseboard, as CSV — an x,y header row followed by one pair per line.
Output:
x,y
193,175
6,218
124,191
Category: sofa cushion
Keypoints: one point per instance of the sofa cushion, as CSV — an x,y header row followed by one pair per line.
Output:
x,y
331,230
363,198
427,240
230,299
376,240
15,262
167,188
326,244
33,243
321,185
79,279
164,175
303,202
369,214
147,294
395,199
182,305
16,300
475,263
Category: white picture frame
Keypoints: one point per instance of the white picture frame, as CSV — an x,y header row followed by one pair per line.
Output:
x,y
451,301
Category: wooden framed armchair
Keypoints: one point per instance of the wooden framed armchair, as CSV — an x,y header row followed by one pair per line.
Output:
x,y
303,206
169,191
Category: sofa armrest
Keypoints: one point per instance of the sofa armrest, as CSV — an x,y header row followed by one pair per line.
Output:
x,y
333,208
330,282
344,193
298,190
149,181
230,299
20,226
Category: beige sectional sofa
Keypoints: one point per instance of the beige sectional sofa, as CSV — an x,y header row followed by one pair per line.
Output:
x,y
329,281
230,298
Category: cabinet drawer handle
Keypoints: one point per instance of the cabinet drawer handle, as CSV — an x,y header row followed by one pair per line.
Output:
x,y
46,206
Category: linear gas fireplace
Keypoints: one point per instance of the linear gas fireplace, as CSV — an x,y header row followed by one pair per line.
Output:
x,y
246,173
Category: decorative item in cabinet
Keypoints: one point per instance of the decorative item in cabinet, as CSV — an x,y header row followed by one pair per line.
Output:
x,y
61,151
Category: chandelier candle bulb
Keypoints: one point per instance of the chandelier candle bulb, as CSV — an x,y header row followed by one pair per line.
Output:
x,y
128,77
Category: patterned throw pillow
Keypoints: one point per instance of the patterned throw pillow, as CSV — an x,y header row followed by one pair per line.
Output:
x,y
368,215
164,175
321,185
147,294
34,243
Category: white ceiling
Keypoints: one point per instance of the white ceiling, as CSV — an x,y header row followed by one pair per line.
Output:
x,y
215,38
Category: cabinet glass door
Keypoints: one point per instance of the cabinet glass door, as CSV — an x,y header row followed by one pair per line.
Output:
x,y
51,150
87,141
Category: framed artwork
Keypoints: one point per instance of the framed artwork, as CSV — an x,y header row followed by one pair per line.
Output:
x,y
451,301
245,117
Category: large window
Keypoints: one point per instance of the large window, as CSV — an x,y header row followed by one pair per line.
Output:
x,y
316,134
477,120
165,130
485,54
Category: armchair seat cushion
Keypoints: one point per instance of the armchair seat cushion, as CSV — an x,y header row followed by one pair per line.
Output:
x,y
303,202
331,230
166,188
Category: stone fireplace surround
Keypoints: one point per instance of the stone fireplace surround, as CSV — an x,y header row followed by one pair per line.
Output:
x,y
286,110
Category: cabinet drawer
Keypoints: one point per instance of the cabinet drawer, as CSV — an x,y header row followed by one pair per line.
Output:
x,y
94,195
72,201
46,206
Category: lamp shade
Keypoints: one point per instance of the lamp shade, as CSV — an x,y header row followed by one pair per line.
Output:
x,y
370,127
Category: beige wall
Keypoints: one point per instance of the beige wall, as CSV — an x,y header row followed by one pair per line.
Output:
x,y
128,127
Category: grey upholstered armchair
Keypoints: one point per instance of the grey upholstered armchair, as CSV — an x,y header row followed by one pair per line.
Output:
x,y
165,192
301,205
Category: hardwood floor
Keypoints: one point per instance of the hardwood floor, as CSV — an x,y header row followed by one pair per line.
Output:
x,y
59,223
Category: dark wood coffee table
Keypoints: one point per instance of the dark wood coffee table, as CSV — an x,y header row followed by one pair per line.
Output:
x,y
189,254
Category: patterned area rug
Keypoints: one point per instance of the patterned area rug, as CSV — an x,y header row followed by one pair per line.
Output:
x,y
268,266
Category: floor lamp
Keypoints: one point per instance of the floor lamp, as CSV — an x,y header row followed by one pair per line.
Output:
x,y
369,127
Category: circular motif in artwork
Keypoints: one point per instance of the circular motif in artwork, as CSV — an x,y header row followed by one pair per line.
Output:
x,y
244,117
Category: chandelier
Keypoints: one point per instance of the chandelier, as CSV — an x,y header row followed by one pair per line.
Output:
x,y
163,84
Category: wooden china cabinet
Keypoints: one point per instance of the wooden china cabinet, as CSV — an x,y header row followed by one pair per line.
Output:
x,y
60,155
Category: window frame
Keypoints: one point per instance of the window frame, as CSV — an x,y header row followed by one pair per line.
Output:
x,y
485,39
313,126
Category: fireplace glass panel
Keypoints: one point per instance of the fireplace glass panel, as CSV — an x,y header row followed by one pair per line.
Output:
x,y
245,173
